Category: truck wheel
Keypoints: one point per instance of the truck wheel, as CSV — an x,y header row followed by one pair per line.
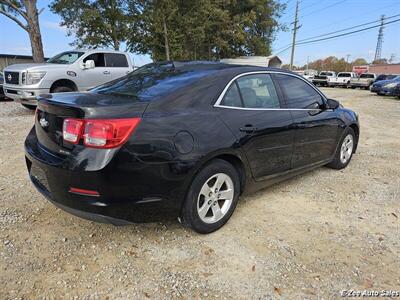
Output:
x,y
31,107
62,89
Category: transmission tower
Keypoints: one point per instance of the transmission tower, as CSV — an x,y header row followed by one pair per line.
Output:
x,y
380,40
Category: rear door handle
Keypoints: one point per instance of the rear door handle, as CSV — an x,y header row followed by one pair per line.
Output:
x,y
106,72
248,129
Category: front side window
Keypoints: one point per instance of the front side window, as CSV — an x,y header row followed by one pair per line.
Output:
x,y
98,59
298,93
65,58
114,60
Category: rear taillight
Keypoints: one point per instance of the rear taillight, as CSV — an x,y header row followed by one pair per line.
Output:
x,y
72,130
99,133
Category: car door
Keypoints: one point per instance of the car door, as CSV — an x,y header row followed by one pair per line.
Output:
x,y
98,75
117,65
316,127
251,108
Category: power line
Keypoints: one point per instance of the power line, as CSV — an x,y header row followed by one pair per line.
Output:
x,y
339,35
324,8
344,29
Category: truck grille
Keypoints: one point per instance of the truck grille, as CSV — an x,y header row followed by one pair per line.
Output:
x,y
11,77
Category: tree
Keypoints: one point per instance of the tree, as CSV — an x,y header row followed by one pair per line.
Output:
x,y
94,23
382,61
359,62
26,15
203,29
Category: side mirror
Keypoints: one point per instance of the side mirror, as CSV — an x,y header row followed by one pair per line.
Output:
x,y
333,104
89,64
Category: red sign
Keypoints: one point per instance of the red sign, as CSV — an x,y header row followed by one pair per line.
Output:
x,y
360,69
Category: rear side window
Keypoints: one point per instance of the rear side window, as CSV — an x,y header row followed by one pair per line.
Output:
x,y
98,59
115,60
298,94
367,76
232,97
344,75
252,91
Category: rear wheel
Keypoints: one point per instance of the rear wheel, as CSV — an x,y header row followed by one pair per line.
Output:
x,y
212,197
345,150
28,106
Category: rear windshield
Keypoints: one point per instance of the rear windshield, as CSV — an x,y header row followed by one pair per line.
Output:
x,y
151,81
344,75
326,74
367,76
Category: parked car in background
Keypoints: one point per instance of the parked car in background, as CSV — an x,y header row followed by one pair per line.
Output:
x,y
2,96
309,74
342,79
385,77
396,91
322,78
364,81
385,87
77,70
183,140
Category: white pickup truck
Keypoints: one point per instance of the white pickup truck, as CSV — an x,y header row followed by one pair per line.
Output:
x,y
342,79
77,70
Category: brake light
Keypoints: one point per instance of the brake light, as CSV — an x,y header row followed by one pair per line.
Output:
x,y
72,130
99,133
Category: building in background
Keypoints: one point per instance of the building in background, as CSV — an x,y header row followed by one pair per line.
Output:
x,y
378,69
272,61
10,59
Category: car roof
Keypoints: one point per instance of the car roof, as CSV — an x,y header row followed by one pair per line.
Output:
x,y
98,50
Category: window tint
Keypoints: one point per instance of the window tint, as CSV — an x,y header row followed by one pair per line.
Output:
x,y
98,59
344,75
115,60
299,94
232,97
258,91
152,81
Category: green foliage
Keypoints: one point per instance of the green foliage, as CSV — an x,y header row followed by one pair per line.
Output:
x,y
203,29
332,63
94,23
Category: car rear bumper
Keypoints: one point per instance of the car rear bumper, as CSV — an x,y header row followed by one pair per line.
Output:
x,y
359,84
144,193
23,95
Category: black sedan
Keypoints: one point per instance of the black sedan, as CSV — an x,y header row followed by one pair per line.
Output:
x,y
183,140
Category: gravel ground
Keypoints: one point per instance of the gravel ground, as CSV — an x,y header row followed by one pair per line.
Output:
x,y
309,237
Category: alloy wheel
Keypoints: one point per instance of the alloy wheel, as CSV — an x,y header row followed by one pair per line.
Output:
x,y
215,198
346,149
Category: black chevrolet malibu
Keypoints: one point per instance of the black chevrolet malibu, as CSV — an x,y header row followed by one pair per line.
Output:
x,y
183,140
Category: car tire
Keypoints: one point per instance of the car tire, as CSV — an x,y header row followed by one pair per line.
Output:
x,y
344,151
28,106
212,197
62,89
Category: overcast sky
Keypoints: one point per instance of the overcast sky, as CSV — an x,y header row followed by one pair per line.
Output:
x,y
316,17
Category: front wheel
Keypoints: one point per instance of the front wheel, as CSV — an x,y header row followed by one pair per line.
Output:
x,y
345,151
212,197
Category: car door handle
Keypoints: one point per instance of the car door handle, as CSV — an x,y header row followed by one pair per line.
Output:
x,y
248,129
106,72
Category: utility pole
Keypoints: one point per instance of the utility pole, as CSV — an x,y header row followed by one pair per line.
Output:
x,y
380,40
308,59
295,27
347,62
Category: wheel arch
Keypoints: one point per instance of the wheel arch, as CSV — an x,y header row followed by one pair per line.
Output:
x,y
356,130
64,82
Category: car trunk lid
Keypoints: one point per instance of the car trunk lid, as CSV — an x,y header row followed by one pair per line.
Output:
x,y
53,109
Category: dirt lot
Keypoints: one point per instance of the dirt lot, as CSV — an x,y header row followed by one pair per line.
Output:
x,y
308,237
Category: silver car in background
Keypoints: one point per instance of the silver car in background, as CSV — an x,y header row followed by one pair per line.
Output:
x,y
77,70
